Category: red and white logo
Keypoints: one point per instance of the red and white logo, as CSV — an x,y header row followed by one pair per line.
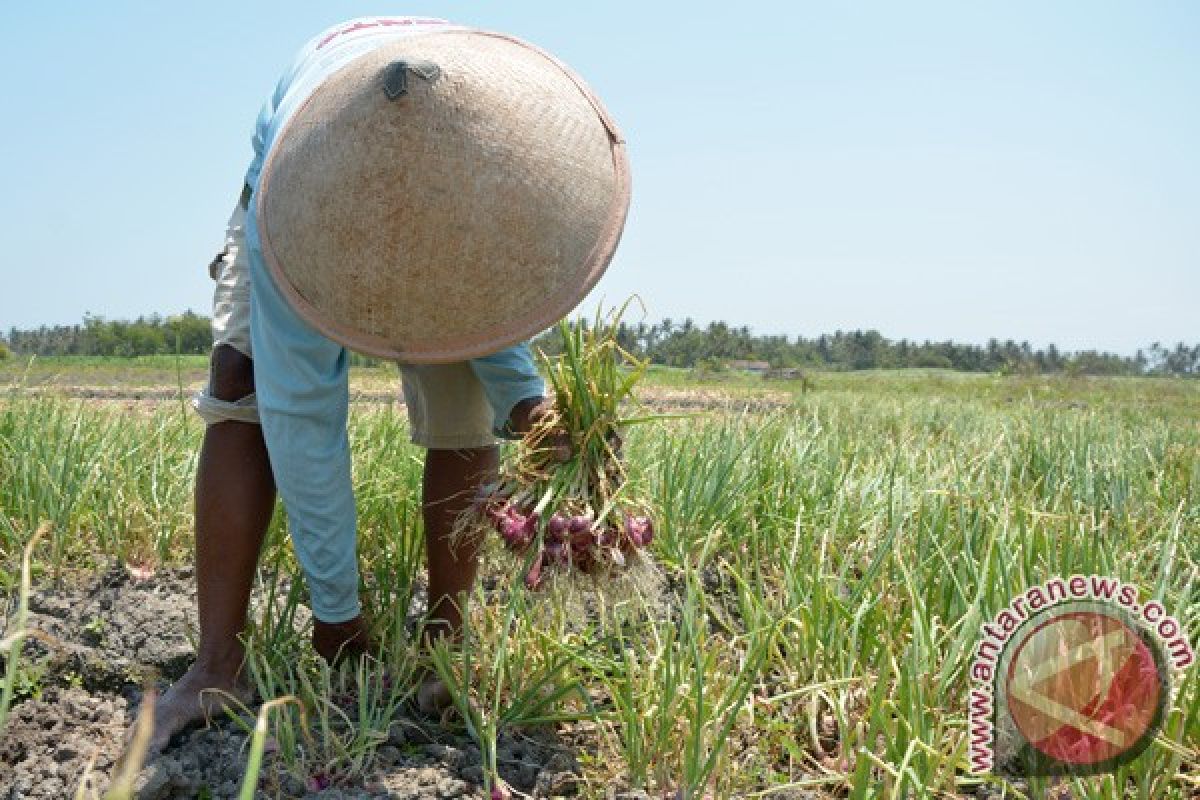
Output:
x,y
1083,687
1073,676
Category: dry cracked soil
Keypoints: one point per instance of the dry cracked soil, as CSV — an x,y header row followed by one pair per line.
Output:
x,y
94,645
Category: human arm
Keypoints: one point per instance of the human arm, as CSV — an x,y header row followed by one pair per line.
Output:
x,y
301,379
516,393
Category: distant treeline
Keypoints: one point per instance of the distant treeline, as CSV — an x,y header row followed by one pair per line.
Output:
x,y
186,333
713,347
684,344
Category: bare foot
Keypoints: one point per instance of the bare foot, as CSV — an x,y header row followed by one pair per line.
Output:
x,y
340,641
198,696
433,697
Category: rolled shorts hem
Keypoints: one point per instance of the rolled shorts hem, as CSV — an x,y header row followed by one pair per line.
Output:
x,y
462,442
214,410
242,346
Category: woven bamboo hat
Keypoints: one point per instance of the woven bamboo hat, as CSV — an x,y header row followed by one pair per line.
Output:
x,y
442,197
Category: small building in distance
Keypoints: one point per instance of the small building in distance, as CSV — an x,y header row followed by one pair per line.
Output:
x,y
756,367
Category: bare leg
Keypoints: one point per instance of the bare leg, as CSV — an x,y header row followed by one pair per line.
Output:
x,y
452,479
235,496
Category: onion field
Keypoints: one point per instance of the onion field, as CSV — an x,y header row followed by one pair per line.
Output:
x,y
825,553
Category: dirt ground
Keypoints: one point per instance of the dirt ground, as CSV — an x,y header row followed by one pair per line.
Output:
x,y
100,642
657,399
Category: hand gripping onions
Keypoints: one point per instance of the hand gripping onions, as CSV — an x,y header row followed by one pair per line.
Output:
x,y
579,516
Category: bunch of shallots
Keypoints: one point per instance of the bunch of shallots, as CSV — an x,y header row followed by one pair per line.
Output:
x,y
577,516
563,541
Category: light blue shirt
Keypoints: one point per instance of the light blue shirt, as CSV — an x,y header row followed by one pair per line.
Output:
x,y
301,377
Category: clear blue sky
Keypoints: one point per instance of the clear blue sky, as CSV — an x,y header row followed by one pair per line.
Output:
x,y
1023,170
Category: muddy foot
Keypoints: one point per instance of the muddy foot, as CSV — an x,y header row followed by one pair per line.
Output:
x,y
339,642
433,697
197,697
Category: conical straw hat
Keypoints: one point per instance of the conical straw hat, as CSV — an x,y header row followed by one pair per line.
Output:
x,y
442,197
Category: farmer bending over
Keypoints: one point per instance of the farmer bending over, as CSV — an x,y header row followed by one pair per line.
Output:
x,y
421,192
